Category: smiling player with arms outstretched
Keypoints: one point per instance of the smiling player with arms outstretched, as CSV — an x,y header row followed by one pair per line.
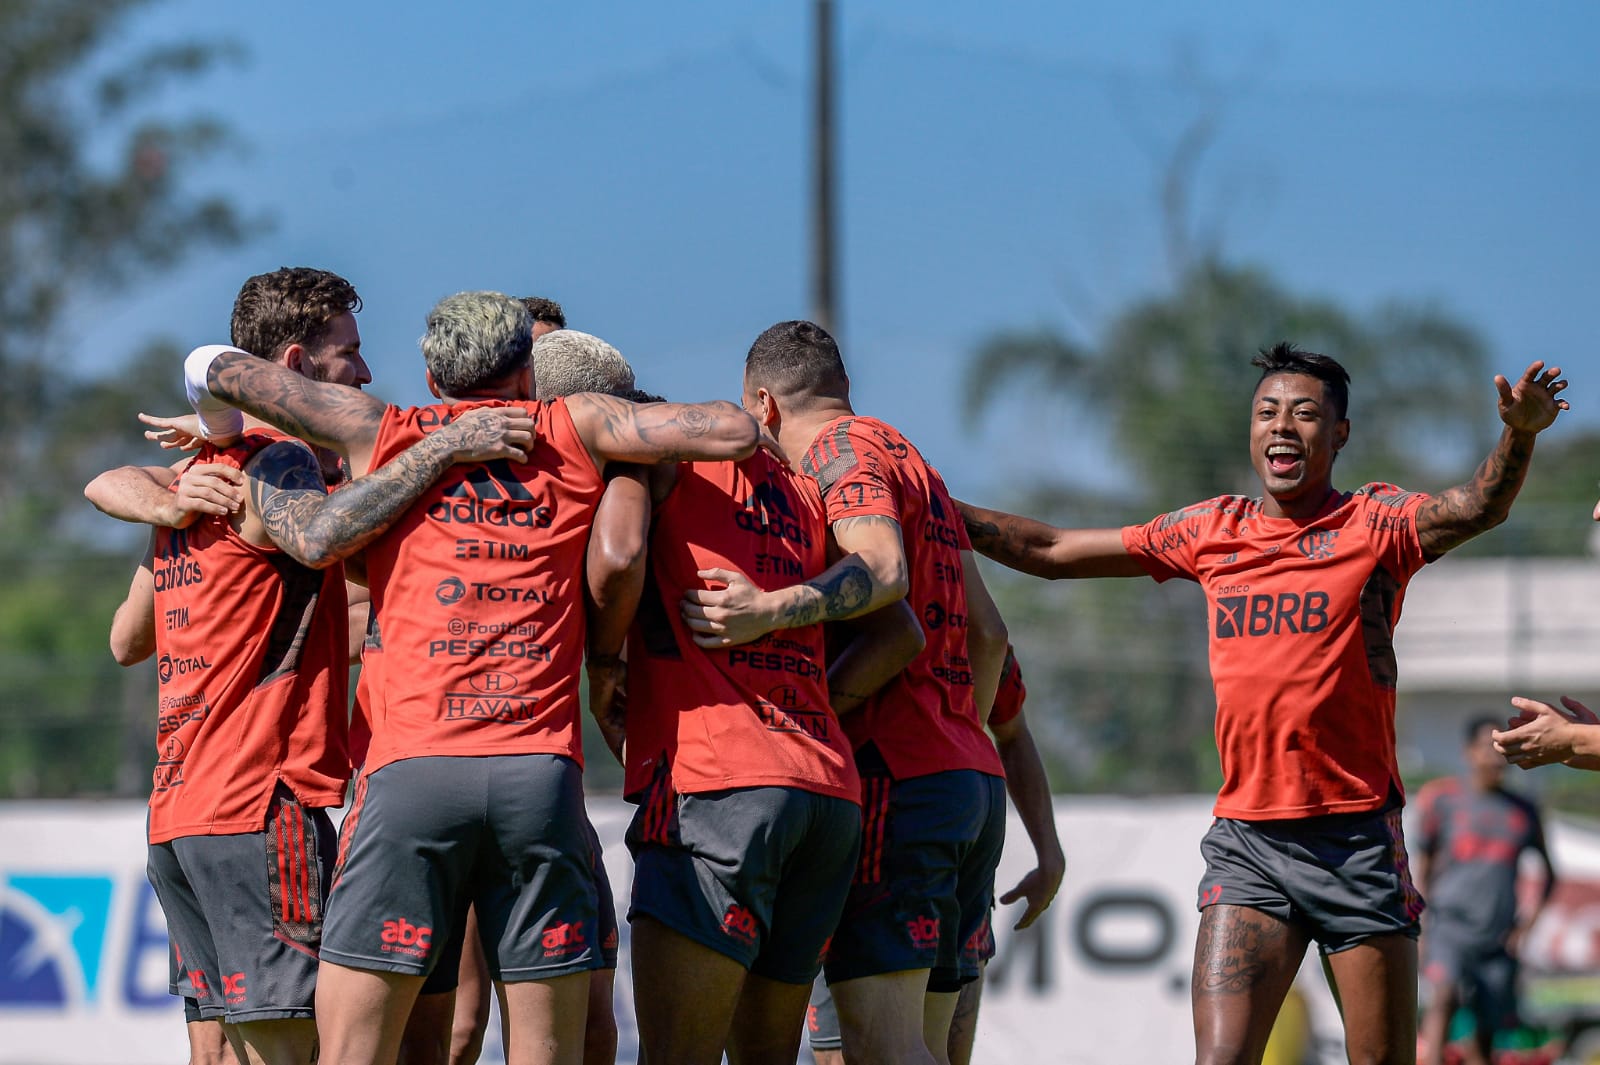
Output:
x,y
1304,586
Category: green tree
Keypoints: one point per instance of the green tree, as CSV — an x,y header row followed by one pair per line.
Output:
x,y
97,191
1169,382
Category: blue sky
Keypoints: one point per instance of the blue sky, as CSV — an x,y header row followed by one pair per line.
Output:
x,y
646,165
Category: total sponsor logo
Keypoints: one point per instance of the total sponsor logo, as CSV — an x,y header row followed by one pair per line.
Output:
x,y
560,940
171,666
400,936
923,932
741,924
81,942
1262,614
935,616
452,590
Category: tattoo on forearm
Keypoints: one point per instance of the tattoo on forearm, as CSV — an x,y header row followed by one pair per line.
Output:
x,y
322,414
836,597
288,494
1457,514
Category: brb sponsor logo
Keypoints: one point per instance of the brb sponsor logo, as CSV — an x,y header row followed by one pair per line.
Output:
x,y
923,932
1242,614
400,936
740,923
84,942
559,940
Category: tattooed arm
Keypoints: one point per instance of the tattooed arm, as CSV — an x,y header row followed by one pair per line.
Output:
x,y
1457,514
871,574
1045,551
133,626
615,430
336,417
290,506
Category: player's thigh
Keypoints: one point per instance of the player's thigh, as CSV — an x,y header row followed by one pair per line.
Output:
x,y
545,1019
1377,982
684,993
1244,963
400,896
815,848
767,1022
533,886
286,1042
880,1017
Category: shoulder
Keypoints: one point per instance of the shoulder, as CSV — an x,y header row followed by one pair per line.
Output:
x,y
1379,493
1435,792
285,462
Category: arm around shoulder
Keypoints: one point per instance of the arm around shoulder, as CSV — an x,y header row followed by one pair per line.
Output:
x,y
615,430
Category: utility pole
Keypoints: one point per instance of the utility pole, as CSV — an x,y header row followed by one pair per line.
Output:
x,y
824,309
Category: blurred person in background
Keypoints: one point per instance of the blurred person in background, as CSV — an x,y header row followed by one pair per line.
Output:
x,y
1471,835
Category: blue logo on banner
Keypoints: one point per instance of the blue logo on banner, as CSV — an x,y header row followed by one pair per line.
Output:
x,y
52,933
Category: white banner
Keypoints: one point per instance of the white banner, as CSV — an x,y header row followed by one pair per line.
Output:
x,y
1101,978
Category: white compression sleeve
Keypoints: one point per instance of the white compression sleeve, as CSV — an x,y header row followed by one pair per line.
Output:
x,y
217,420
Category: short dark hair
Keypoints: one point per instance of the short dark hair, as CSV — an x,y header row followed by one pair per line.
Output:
x,y
1283,357
797,359
639,395
291,305
544,310
1477,723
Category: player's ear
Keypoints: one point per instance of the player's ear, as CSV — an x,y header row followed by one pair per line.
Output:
x,y
767,410
433,386
1341,434
294,357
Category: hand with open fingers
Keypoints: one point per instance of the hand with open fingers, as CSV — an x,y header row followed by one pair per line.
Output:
x,y
1531,404
1039,887
208,488
724,617
181,433
1541,734
489,433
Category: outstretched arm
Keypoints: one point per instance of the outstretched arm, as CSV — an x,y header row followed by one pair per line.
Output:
x,y
615,430
1457,514
133,626
1045,551
142,493
336,417
289,499
1541,734
1029,789
871,574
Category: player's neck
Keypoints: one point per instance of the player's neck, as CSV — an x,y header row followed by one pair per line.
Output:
x,y
1303,505
800,428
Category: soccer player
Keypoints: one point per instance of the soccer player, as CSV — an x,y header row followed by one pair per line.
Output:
x,y
932,788
1029,789
1472,834
472,788
1304,586
451,1029
252,642
749,802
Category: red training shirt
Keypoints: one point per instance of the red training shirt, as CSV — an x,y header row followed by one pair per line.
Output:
x,y
1302,616
252,673
924,721
750,716
477,636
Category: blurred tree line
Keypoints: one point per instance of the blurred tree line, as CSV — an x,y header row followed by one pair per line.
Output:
x,y
93,197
